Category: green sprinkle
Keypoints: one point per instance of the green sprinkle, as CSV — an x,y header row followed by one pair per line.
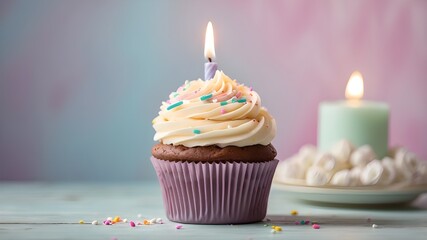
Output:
x,y
176,94
206,97
175,105
224,103
196,131
242,100
302,222
233,100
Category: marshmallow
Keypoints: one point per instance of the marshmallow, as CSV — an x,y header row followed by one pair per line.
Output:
x,y
325,161
355,175
372,173
406,163
328,162
317,176
420,176
392,151
341,178
342,150
289,169
362,156
306,155
390,173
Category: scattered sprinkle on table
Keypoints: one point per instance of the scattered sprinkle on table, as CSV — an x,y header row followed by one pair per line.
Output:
x,y
273,231
294,212
178,227
315,226
116,219
374,226
95,222
132,223
82,222
278,229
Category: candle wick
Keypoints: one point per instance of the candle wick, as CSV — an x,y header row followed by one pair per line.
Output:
x,y
210,60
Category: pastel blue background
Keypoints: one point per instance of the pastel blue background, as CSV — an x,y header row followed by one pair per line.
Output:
x,y
80,81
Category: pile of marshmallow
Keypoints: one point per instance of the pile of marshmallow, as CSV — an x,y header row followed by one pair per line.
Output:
x,y
345,165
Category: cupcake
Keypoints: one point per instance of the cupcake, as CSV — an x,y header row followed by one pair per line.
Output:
x,y
214,157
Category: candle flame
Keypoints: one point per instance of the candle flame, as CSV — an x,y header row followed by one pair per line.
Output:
x,y
209,43
354,88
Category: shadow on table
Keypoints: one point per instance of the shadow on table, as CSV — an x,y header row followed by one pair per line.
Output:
x,y
378,207
335,220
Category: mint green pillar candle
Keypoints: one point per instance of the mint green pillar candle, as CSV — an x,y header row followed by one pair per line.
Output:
x,y
361,122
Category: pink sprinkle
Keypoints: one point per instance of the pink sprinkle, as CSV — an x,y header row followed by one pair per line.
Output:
x,y
238,94
296,223
107,222
250,89
307,221
223,111
315,226
140,223
178,226
132,223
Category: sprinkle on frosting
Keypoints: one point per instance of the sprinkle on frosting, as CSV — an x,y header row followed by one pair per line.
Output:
x,y
243,100
206,97
175,105
224,103
223,111
196,131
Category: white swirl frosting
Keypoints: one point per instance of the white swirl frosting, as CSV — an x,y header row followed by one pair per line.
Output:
x,y
218,112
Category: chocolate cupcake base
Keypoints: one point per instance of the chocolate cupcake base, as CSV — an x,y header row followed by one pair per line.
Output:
x,y
215,192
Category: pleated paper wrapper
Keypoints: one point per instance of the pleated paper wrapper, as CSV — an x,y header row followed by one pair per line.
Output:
x,y
215,193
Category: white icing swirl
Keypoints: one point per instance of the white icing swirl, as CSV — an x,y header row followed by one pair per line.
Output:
x,y
214,112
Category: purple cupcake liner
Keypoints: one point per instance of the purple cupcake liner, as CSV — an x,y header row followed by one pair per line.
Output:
x,y
215,193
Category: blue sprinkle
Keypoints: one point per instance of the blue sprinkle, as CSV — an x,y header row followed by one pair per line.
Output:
x,y
206,97
175,105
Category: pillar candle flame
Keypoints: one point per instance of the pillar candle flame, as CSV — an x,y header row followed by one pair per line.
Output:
x,y
354,89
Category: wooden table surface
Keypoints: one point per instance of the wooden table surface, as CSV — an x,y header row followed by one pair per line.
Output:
x,y
53,210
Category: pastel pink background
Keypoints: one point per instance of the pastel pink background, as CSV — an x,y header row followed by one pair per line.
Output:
x,y
80,81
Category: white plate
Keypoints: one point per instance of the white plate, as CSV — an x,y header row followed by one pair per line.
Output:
x,y
355,195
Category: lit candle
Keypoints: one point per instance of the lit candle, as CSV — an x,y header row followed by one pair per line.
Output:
x,y
361,122
210,66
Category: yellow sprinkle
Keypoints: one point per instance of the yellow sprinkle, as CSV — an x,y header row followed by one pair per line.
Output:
x,y
277,228
272,227
294,212
116,219
146,222
82,222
